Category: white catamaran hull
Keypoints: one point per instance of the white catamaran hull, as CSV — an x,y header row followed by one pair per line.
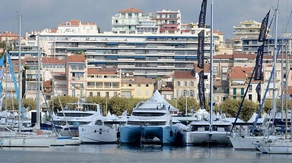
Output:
x,y
198,137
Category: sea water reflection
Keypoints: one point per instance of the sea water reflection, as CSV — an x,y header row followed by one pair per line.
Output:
x,y
145,153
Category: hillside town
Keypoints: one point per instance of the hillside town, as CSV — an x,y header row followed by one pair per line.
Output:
x,y
141,53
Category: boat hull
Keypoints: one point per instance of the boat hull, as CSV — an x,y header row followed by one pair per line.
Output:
x,y
31,141
276,147
62,141
167,135
97,134
204,137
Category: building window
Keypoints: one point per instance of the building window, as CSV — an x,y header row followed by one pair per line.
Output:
x,y
147,85
115,94
234,91
130,85
138,85
186,83
98,94
146,93
90,94
177,83
138,93
242,91
192,93
191,83
107,94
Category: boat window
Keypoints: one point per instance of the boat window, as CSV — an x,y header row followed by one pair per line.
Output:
x,y
74,114
98,122
146,123
147,114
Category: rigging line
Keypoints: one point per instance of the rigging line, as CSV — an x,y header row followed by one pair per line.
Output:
x,y
288,22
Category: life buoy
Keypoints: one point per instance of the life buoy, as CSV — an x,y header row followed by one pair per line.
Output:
x,y
40,132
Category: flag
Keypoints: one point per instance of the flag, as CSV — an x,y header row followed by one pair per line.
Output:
x,y
202,17
200,52
259,63
258,90
201,90
264,26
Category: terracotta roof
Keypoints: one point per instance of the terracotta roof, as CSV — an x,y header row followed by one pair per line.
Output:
x,y
47,83
244,55
9,34
130,10
76,58
167,88
49,60
53,30
223,56
183,75
72,23
100,71
240,72
206,67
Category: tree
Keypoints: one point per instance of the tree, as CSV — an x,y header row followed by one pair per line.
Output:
x,y
29,102
64,100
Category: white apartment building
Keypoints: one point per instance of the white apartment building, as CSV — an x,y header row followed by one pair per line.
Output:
x,y
169,21
133,21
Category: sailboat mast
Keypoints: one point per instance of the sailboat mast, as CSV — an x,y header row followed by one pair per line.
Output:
x,y
275,60
6,72
211,67
19,69
38,84
286,87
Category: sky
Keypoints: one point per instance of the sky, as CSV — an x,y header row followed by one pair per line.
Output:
x,y
41,14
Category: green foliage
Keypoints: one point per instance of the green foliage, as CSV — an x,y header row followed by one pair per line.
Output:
x,y
64,100
230,108
181,104
29,102
12,104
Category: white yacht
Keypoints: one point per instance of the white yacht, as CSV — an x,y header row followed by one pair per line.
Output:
x,y
151,122
73,115
104,130
200,132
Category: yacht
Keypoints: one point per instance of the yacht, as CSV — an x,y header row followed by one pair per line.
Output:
x,y
73,115
104,130
200,133
151,122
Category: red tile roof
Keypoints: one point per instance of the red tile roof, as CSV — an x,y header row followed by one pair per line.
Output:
x,y
100,71
76,58
72,23
183,75
130,10
9,34
49,60
240,72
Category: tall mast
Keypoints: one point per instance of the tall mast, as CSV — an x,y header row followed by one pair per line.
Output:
x,y
275,60
38,85
211,67
19,69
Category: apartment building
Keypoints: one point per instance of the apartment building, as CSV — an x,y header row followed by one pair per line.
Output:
x,y
133,21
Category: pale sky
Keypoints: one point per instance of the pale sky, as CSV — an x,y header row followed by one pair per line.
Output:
x,y
40,14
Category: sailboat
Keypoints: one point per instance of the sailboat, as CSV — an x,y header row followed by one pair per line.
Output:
x,y
16,138
212,130
283,145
